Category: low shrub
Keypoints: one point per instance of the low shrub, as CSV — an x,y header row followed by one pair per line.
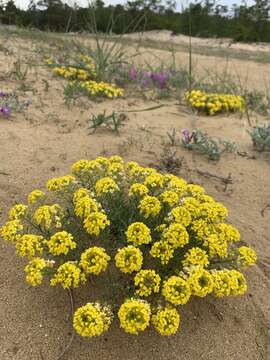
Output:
x,y
149,241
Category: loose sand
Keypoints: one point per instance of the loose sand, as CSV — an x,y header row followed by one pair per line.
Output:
x,y
44,142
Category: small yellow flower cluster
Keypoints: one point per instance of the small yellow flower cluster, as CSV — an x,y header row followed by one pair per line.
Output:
x,y
68,275
138,233
17,212
60,183
71,73
247,256
147,282
166,321
176,290
92,320
129,259
213,103
149,206
35,196
228,282
29,245
134,315
94,260
106,185
34,271
95,222
168,239
11,230
94,88
60,243
46,215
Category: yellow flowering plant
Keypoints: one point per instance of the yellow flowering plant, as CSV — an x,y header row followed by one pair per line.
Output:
x,y
214,103
150,241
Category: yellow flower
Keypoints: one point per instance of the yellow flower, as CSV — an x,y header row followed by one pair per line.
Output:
x,y
171,198
166,321
138,233
34,271
17,212
217,246
10,231
68,275
60,183
29,245
96,222
196,256
149,206
200,281
45,215
79,167
175,235
94,260
137,189
154,181
106,185
147,282
163,251
60,243
180,215
35,196
228,282
129,259
213,212
176,290
84,205
247,256
228,232
92,319
134,316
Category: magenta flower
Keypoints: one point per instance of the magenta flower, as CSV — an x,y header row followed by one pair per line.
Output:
x,y
160,78
133,74
187,136
5,111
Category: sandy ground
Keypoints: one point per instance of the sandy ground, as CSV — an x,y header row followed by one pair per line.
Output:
x,y
44,142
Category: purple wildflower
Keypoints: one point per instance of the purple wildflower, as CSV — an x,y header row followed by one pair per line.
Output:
x,y
160,78
4,110
2,94
133,74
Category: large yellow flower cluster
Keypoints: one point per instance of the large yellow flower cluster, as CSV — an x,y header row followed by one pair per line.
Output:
x,y
82,75
151,240
213,103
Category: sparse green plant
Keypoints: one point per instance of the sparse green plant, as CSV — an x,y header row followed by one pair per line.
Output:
x,y
113,121
203,144
172,138
260,136
19,71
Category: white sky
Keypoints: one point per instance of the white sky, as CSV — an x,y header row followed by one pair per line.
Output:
x,y
23,3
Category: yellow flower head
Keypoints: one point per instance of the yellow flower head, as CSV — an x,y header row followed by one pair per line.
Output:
x,y
34,271
138,189
96,222
46,215
163,251
68,275
180,215
247,256
176,290
147,282
175,235
196,257
84,205
149,206
154,181
94,260
166,321
170,198
200,281
10,230
106,185
35,196
134,316
92,319
138,233
60,183
60,243
129,259
29,245
17,212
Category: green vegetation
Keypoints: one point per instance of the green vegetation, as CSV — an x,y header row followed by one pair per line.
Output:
x,y
204,19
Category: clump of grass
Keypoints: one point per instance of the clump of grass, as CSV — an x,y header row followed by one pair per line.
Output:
x,y
19,71
113,122
205,145
260,136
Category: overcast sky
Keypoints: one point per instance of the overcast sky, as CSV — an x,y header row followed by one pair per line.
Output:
x,y
23,3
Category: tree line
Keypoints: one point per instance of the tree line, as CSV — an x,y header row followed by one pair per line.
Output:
x,y
203,19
